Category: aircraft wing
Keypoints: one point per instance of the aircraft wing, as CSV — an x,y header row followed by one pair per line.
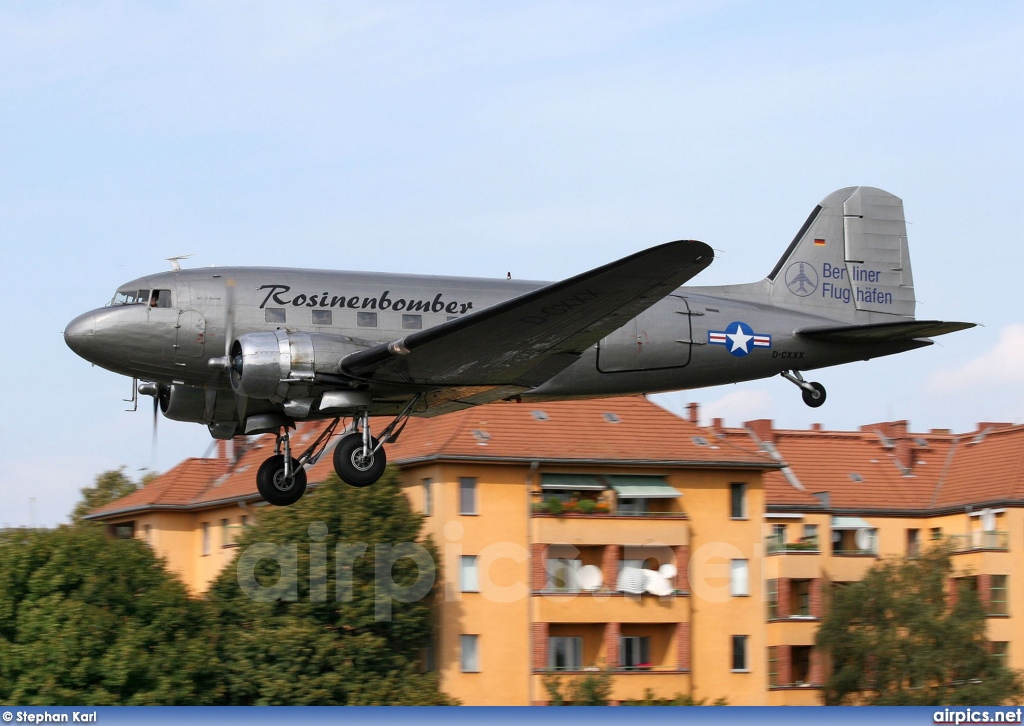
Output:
x,y
526,340
882,332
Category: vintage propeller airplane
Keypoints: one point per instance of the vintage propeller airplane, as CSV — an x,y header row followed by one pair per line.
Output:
x,y
250,350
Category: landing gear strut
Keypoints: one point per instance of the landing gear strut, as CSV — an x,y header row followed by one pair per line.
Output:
x,y
812,391
359,458
281,479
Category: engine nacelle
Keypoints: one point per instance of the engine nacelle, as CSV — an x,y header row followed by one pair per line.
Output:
x,y
183,403
275,365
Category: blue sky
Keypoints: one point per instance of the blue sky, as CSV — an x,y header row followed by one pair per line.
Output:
x,y
477,138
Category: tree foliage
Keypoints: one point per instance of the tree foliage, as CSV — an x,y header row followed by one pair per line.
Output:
x,y
337,610
894,638
87,619
594,689
109,486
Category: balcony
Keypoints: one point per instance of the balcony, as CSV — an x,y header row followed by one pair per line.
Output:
x,y
807,545
979,541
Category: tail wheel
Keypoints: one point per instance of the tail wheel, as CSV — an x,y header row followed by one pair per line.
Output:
x,y
815,395
277,488
356,468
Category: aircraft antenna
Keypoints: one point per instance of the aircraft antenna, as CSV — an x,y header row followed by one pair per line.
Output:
x,y
176,261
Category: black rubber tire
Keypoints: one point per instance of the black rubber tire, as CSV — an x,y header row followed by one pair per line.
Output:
x,y
272,486
816,397
350,465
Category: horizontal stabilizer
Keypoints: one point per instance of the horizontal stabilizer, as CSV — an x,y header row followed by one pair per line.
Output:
x,y
882,332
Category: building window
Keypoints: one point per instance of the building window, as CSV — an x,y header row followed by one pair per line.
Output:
x,y
913,542
810,535
739,653
206,538
565,653
773,665
738,500
245,520
428,498
274,315
225,533
412,322
771,594
635,652
1001,652
936,533
366,320
738,578
470,656
800,664
322,317
631,505
122,530
468,574
800,598
467,495
563,574
147,530
997,602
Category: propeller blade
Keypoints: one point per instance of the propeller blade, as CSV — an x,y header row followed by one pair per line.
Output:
x,y
229,326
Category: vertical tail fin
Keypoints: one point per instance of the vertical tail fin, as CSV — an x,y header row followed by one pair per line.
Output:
x,y
849,260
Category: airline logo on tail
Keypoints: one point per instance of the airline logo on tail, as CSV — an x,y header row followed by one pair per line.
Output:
x,y
739,339
801,278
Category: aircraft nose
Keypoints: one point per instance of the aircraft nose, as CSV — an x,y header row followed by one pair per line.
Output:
x,y
79,334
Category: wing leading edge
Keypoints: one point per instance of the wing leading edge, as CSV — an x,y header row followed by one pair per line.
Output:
x,y
526,340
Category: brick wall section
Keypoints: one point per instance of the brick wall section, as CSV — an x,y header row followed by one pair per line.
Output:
x,y
611,645
817,597
610,565
785,665
538,571
540,646
985,592
784,598
683,568
683,646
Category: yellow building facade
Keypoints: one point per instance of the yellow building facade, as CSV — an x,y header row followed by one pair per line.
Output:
x,y
613,535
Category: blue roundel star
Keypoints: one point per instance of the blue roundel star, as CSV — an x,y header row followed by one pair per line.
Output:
x,y
739,339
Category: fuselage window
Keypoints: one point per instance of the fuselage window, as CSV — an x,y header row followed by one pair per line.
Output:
x,y
322,317
366,320
274,315
412,322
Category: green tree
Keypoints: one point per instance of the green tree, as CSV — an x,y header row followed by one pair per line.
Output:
x,y
594,689
329,603
110,486
87,619
894,638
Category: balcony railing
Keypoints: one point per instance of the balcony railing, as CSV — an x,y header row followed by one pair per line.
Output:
x,y
999,541
808,544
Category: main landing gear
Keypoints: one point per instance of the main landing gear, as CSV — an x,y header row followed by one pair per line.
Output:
x,y
359,458
812,391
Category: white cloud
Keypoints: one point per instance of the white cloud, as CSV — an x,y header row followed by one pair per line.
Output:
x,y
998,367
739,406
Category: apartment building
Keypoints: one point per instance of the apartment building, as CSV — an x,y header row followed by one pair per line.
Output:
x,y
612,534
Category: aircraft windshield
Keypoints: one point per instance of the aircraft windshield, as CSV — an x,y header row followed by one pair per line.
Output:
x,y
154,298
130,297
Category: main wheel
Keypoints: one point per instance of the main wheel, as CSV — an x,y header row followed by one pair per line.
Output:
x,y
815,397
275,487
353,467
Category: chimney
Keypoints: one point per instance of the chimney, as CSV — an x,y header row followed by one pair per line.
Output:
x,y
717,424
815,427
693,409
902,446
763,428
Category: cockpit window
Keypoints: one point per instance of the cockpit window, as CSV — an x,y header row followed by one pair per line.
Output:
x,y
160,299
153,298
